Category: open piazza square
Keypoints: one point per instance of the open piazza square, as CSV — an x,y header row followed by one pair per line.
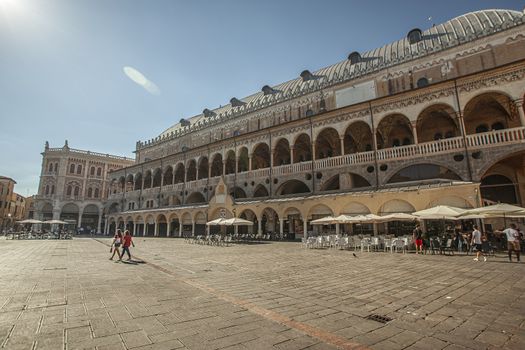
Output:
x,y
271,295
262,174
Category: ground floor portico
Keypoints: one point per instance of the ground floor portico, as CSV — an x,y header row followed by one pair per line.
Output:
x,y
291,217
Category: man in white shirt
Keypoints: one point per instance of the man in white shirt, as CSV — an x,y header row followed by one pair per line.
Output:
x,y
476,242
513,241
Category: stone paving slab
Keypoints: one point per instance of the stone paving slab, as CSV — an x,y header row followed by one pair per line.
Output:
x,y
68,295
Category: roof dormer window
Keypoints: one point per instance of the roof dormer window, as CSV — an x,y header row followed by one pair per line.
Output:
x,y
414,36
354,57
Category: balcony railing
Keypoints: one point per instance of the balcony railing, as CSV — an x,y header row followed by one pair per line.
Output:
x,y
425,149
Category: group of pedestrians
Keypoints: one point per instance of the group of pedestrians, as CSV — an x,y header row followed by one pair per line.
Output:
x,y
474,240
125,241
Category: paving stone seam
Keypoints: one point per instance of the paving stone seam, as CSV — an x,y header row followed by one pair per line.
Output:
x,y
325,336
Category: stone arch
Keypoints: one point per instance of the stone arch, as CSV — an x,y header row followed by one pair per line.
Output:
x,y
355,208
358,138
248,214
269,220
261,156
217,213
195,197
203,168
90,216
260,191
180,170
327,144
157,178
318,211
138,181
435,122
216,165
490,111
394,130
230,162
162,225
191,173
332,184
352,181
292,187
244,162
502,179
149,225
396,206
237,192
422,172
130,182
302,149
167,177
70,212
148,180
281,153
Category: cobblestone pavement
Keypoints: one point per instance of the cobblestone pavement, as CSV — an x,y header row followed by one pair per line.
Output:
x,y
68,295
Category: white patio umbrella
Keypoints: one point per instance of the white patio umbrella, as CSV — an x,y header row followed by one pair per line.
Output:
x,y
502,209
215,222
30,221
236,222
397,217
57,222
327,220
439,212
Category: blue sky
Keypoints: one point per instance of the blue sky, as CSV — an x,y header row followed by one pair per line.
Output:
x,y
61,62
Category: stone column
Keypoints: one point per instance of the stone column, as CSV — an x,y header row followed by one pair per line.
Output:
x,y
223,167
305,228
291,154
461,123
180,228
281,226
156,229
337,229
342,142
519,106
134,228
99,224
168,227
414,132
80,213
250,161
259,227
313,150
272,154
193,228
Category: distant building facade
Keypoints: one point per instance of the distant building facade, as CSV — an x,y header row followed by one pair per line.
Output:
x,y
434,118
74,184
12,205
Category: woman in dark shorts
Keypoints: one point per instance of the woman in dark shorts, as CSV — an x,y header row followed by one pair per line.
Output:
x,y
115,245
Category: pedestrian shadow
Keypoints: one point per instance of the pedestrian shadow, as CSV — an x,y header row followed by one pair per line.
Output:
x,y
133,262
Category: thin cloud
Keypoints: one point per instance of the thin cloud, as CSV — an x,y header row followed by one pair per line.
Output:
x,y
141,80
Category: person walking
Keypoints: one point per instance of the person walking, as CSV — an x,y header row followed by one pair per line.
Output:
x,y
513,241
127,241
476,242
115,244
417,237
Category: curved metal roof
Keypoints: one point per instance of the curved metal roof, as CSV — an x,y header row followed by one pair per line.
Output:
x,y
457,31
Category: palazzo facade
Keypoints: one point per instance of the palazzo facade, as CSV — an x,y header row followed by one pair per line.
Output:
x,y
434,118
74,185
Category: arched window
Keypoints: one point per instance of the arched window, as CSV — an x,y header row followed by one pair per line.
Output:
x,y
72,169
99,172
47,189
92,172
90,192
56,167
77,191
68,192
309,112
79,169
53,189
50,167
96,193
